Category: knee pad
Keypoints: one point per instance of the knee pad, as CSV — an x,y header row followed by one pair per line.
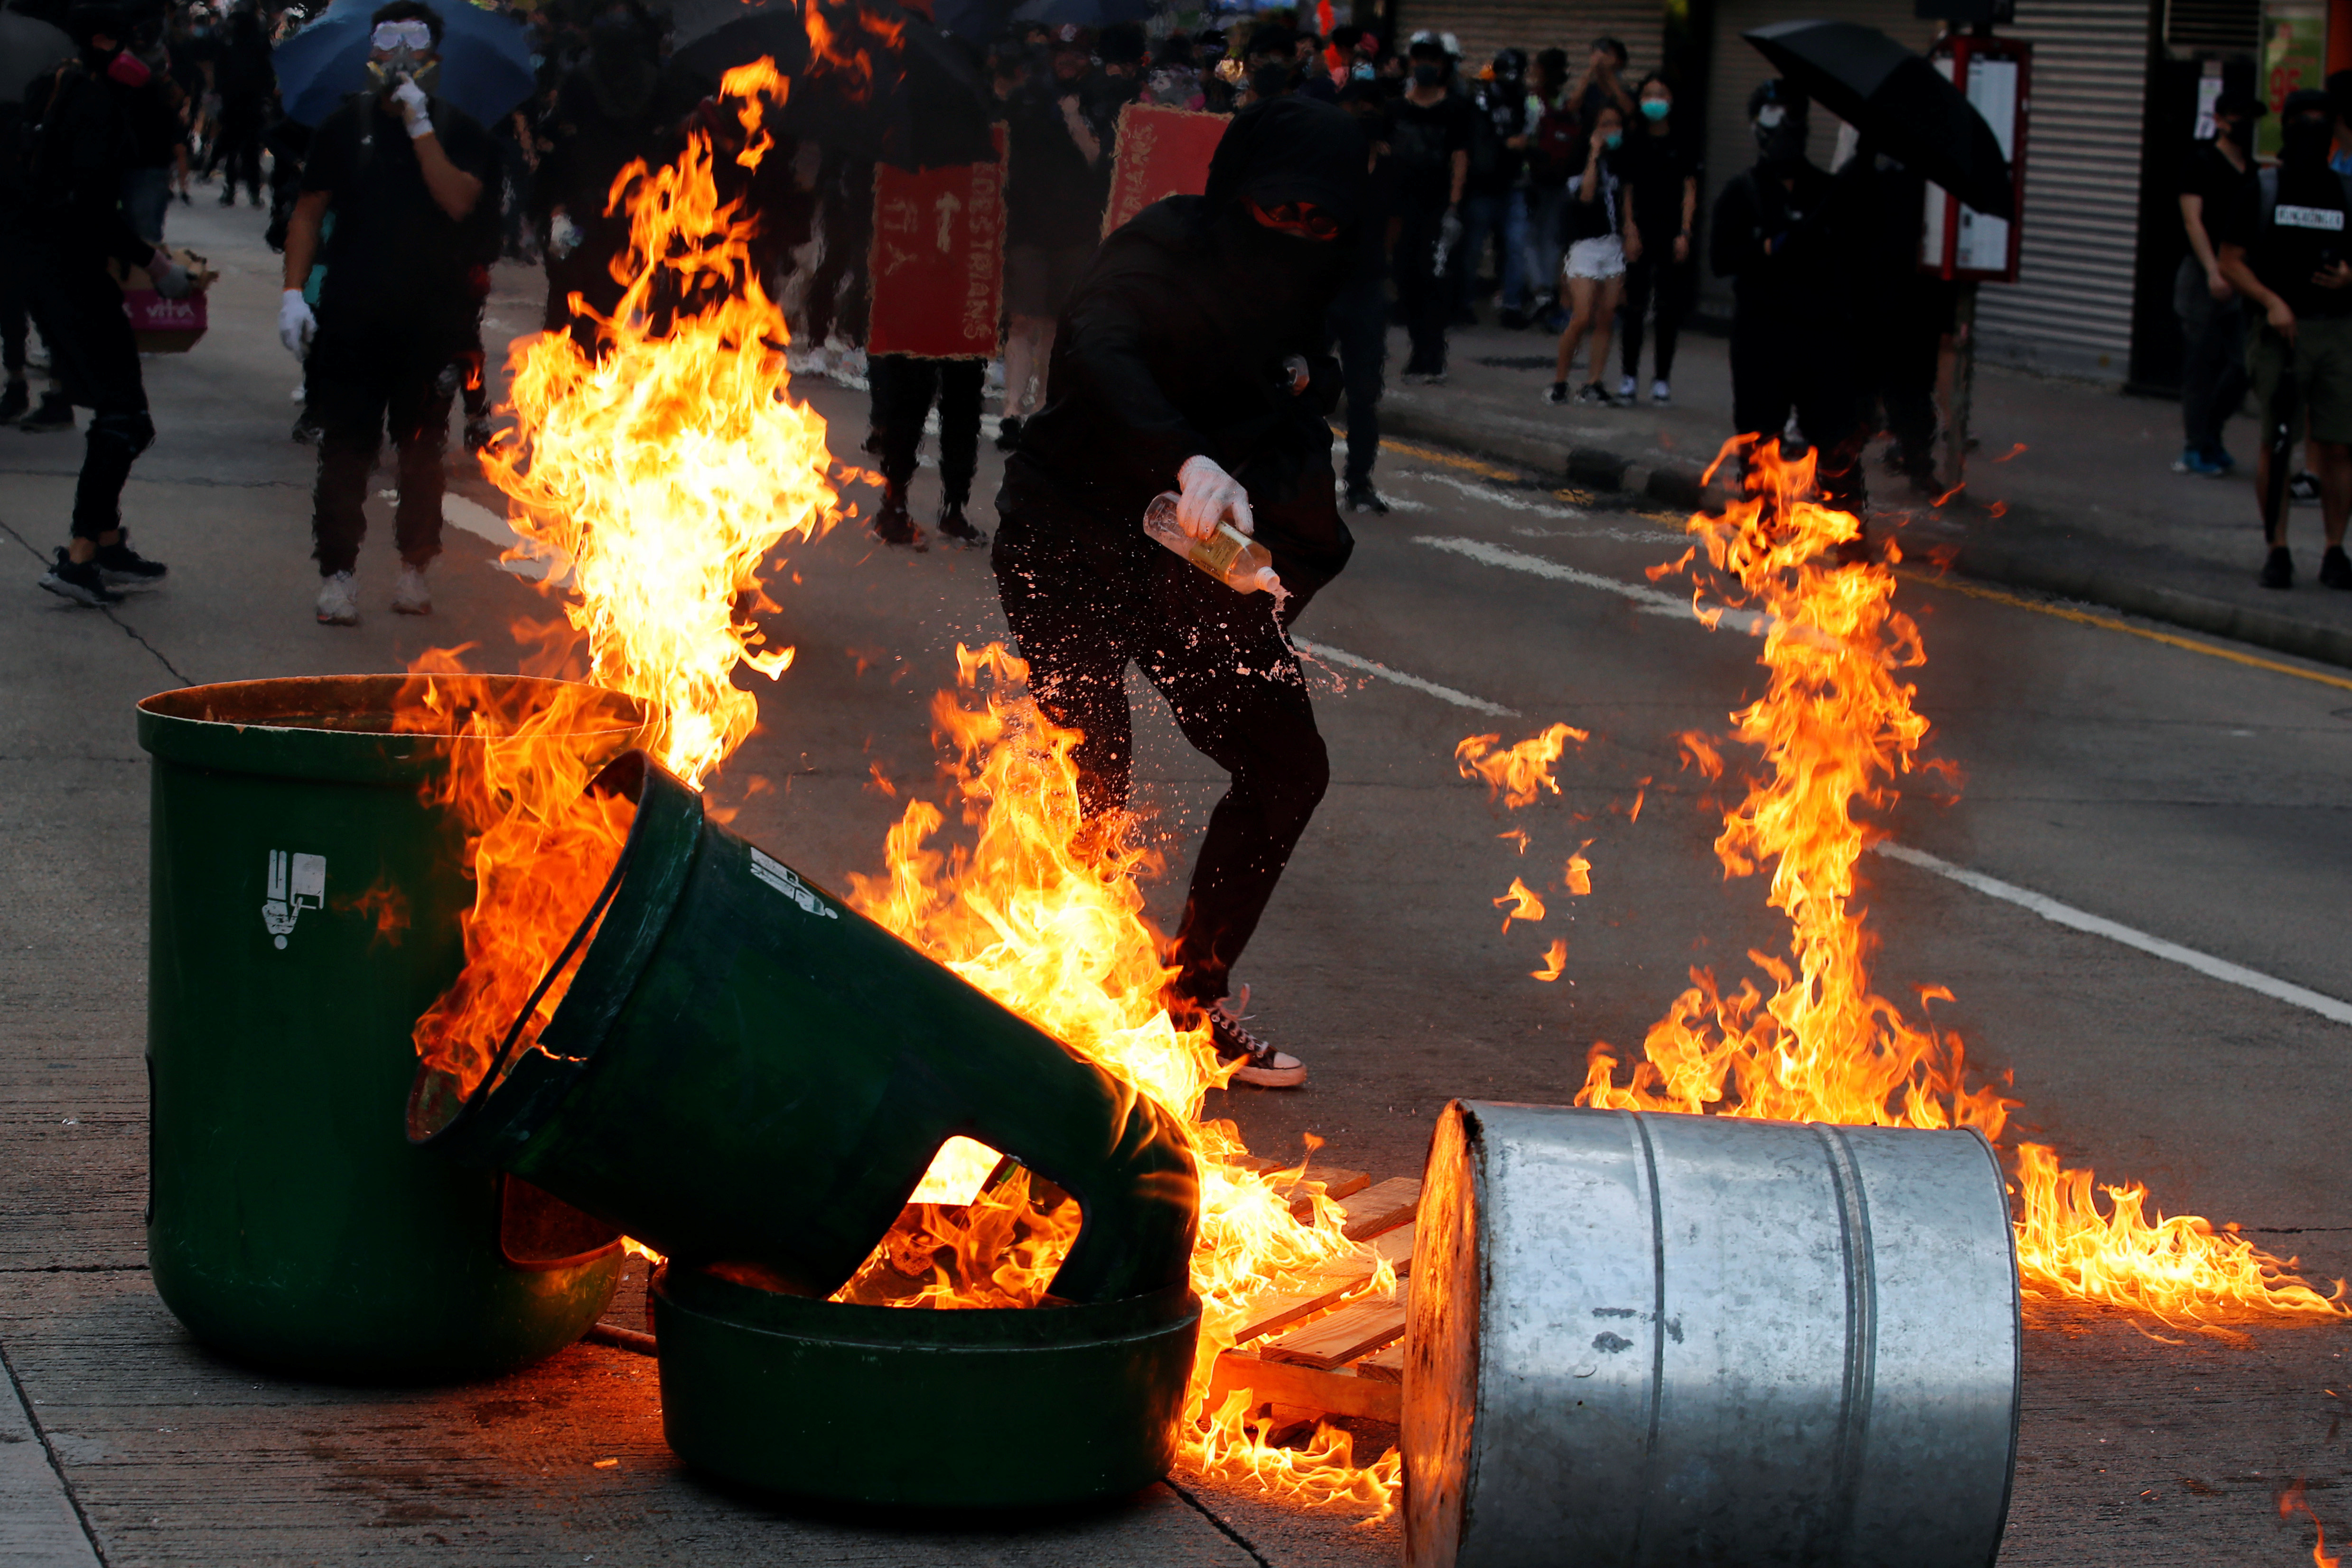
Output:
x,y
127,434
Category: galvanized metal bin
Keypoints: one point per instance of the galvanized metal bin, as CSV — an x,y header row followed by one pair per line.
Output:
x,y
304,905
1691,1340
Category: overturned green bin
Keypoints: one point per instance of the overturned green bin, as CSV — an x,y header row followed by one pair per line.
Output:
x,y
305,904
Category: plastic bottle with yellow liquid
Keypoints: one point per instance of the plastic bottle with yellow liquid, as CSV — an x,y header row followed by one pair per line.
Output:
x,y
1229,555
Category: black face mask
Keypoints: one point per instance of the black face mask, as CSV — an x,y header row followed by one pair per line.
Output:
x,y
2239,132
1782,146
1428,75
2303,141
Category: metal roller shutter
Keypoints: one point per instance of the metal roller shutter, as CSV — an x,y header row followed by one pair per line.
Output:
x,y
1483,26
2070,310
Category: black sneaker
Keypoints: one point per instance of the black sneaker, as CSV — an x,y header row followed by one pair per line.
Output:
x,y
1363,497
953,524
54,414
1595,395
2278,568
122,567
13,400
2334,570
1008,433
892,525
2304,488
307,429
1557,392
1261,1064
79,581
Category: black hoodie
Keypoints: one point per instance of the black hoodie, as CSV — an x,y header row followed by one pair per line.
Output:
x,y
1174,344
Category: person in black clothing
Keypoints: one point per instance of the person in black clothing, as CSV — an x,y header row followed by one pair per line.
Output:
x,y
612,109
2212,320
1359,316
1057,183
1775,235
2286,247
403,174
1495,192
83,146
1908,311
903,387
243,78
1661,213
1190,357
1429,144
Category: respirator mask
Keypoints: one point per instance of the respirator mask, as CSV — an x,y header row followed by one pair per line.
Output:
x,y
406,51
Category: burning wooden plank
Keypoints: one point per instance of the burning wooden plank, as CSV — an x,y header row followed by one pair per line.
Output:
x,y
1382,1207
1336,1183
1304,1388
1331,1342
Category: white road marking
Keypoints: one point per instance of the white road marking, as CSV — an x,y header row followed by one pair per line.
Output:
x,y
2050,909
483,523
1494,497
1428,687
1652,601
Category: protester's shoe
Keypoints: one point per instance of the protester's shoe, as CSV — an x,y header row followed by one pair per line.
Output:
x,y
1261,1064
1626,389
2196,460
2304,488
228,197
1595,395
14,399
80,581
1509,317
410,593
1554,320
893,526
2334,570
338,605
254,199
2218,461
954,525
478,434
1008,433
1660,394
122,567
1363,497
1555,394
54,414
2278,568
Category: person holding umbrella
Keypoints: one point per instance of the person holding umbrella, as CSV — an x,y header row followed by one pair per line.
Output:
x,y
2286,247
402,172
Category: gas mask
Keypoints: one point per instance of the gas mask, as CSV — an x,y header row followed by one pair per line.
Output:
x,y
1429,73
402,51
1779,136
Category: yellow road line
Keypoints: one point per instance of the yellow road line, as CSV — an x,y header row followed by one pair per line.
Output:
x,y
2108,623
1467,465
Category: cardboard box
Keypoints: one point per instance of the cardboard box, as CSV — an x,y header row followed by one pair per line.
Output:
x,y
161,325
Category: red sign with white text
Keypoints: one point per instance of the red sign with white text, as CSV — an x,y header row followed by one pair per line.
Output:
x,y
938,259
1161,152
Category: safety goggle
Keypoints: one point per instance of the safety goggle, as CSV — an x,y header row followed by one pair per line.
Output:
x,y
389,38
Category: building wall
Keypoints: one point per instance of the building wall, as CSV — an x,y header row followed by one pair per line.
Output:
x,y
1483,26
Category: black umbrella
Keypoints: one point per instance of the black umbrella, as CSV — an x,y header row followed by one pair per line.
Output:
x,y
1898,101
29,48
868,78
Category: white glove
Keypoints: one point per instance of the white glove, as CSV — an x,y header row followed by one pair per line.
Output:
x,y
168,276
1210,495
563,235
296,325
414,108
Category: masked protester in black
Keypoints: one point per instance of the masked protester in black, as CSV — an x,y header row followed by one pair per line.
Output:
x,y
83,147
1785,241
1191,356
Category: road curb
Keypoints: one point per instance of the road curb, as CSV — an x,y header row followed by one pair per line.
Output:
x,y
1673,484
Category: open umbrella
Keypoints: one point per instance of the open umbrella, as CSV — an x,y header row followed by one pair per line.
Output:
x,y
1897,101
29,48
883,81
486,67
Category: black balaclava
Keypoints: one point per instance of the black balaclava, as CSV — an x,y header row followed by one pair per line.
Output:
x,y
1284,150
1777,111
2306,126
620,65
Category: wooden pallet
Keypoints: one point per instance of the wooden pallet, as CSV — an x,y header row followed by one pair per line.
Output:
x,y
1326,1348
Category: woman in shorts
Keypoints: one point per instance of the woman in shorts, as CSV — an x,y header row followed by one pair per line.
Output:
x,y
1593,272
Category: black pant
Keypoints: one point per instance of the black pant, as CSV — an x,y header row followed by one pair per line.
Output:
x,y
1358,320
362,377
240,150
1235,688
903,387
1901,353
1778,367
93,355
1425,298
2214,371
1669,281
16,260
587,272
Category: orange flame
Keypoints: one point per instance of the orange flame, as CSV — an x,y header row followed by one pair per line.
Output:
x,y
1835,728
1577,875
2290,1503
1525,905
1555,961
1516,772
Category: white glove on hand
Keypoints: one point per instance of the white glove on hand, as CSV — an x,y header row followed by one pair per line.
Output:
x,y
169,278
296,325
1210,495
414,108
563,235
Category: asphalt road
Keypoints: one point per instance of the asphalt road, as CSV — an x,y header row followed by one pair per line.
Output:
x,y
2186,797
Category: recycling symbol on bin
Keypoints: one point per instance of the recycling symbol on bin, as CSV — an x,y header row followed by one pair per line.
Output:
x,y
296,882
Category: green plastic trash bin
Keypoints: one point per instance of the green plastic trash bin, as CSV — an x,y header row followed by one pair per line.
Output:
x,y
304,912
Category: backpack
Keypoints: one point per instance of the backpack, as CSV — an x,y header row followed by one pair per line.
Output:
x,y
2270,182
1555,148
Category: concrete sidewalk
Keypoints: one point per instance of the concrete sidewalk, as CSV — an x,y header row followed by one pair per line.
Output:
x,y
2070,492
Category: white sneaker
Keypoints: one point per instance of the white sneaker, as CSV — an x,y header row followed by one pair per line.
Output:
x,y
1659,391
410,596
337,606
1625,389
